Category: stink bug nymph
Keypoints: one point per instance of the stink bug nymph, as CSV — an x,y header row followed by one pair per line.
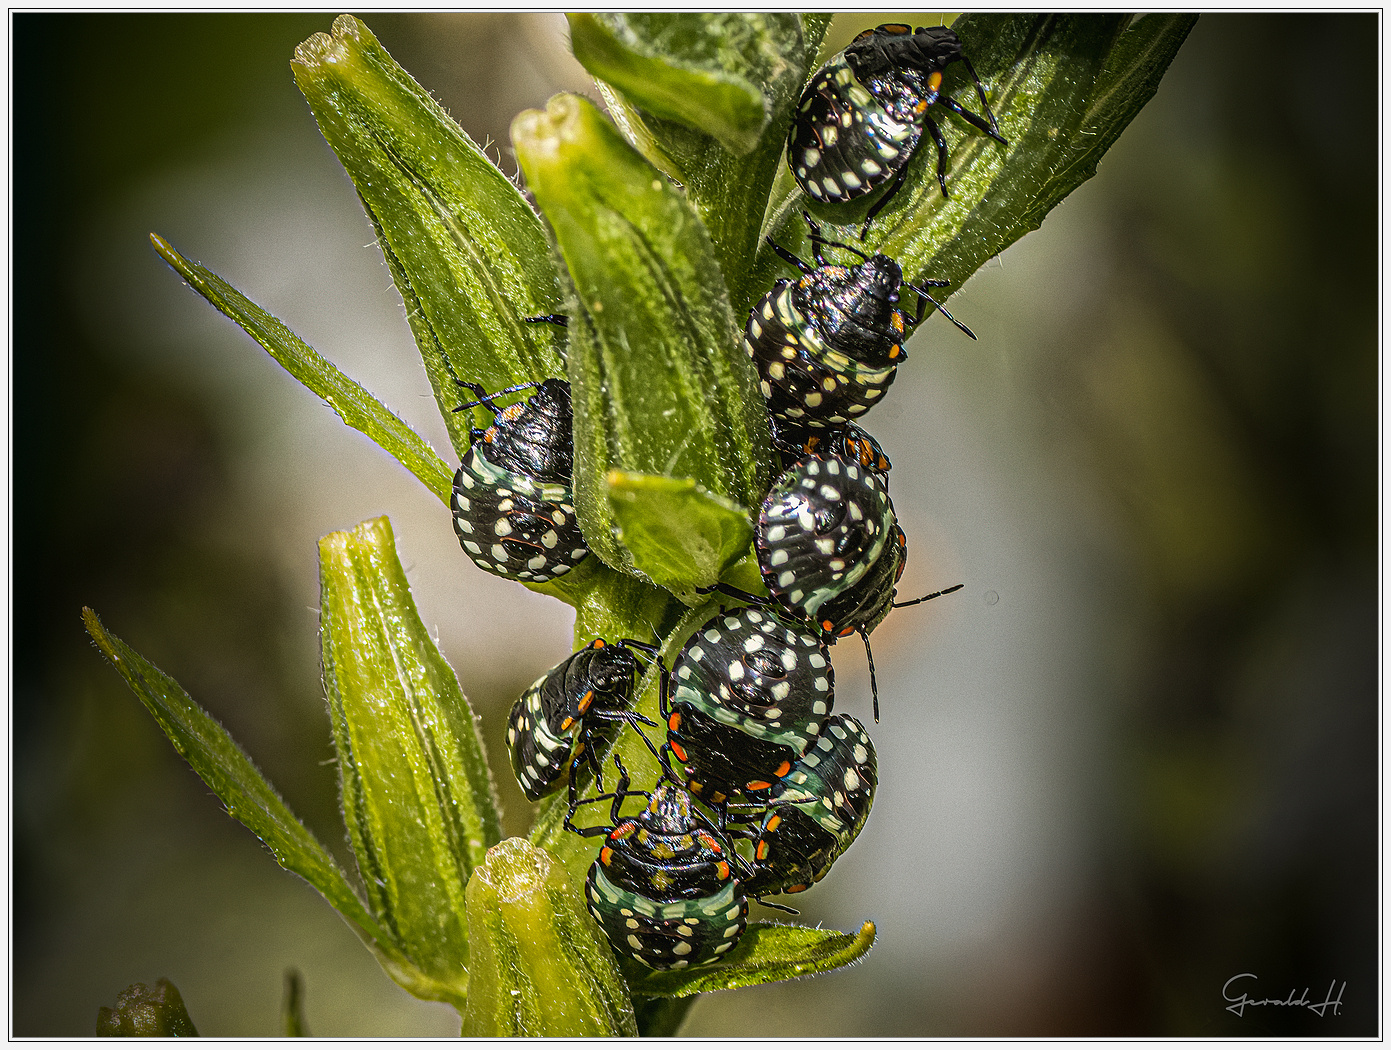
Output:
x,y
514,512
828,344
662,888
567,712
862,115
746,696
814,813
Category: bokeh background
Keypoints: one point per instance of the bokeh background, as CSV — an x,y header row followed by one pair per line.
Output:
x,y
1136,756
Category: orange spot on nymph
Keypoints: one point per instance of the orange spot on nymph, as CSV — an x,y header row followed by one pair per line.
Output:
x,y
678,750
758,785
782,769
773,822
585,701
761,853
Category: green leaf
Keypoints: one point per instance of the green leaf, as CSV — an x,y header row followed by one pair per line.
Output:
x,y
685,67
353,403
680,536
1062,87
468,254
143,1013
233,778
540,964
766,953
418,798
659,382
728,187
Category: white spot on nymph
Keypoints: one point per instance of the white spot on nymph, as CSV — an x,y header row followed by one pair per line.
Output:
x,y
816,660
829,384
831,187
839,730
812,399
696,653
861,755
830,493
753,643
825,545
776,534
461,502
852,780
812,188
870,168
503,527
505,505
789,659
787,578
465,525
736,671
821,685
472,547
780,557
682,948
811,157
851,179
777,370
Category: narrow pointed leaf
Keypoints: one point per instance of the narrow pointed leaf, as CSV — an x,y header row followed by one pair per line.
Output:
x,y
659,382
468,254
540,964
235,780
353,403
766,953
681,537
1062,87
727,184
418,798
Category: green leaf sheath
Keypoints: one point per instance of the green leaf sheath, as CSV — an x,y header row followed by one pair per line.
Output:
x,y
418,798
540,965
468,254
659,382
1062,87
767,952
727,182
225,768
680,536
353,403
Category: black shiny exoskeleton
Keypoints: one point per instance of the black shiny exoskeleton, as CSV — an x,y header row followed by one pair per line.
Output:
x,y
862,115
814,813
662,888
514,512
746,696
569,710
831,552
828,344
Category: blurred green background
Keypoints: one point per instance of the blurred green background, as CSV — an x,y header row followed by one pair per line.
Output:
x,y
1136,756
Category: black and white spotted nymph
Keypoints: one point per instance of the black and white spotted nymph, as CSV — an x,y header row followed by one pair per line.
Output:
x,y
863,114
567,712
828,344
514,511
823,526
